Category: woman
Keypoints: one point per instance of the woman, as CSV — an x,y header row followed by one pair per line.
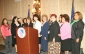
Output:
x,y
53,38
6,33
25,22
44,33
65,34
60,21
21,22
37,25
14,25
77,32
29,23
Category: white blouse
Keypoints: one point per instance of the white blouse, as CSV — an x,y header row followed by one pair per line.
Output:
x,y
37,25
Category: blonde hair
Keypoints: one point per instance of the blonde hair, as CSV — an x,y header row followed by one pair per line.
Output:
x,y
79,14
28,18
44,15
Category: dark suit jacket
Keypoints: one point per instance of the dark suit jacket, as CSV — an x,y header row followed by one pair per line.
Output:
x,y
44,30
54,30
77,30
13,29
21,25
26,25
31,25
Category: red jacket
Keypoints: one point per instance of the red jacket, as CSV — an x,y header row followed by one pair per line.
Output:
x,y
6,30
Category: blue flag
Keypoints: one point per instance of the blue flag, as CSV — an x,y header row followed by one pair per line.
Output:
x,y
28,12
72,11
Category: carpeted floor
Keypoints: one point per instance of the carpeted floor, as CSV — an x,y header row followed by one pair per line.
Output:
x,y
2,47
1,40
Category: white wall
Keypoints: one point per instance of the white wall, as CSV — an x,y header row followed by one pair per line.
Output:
x,y
83,41
61,6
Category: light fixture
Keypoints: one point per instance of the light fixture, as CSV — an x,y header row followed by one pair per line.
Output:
x,y
36,7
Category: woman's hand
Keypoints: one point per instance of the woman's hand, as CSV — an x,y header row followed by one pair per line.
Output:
x,y
4,37
77,40
53,39
14,36
45,38
59,35
39,35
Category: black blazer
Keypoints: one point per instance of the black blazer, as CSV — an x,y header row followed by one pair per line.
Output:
x,y
31,25
26,25
13,29
54,30
77,30
21,25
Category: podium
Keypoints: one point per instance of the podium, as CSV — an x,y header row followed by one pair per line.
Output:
x,y
27,40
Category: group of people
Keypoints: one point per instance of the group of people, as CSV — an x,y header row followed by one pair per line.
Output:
x,y
54,36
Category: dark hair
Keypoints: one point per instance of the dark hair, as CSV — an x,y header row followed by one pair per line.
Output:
x,y
13,20
61,15
24,19
3,21
66,17
61,18
53,15
35,15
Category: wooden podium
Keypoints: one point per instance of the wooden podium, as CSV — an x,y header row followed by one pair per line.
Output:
x,y
29,43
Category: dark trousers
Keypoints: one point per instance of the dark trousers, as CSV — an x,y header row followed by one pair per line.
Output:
x,y
8,44
76,46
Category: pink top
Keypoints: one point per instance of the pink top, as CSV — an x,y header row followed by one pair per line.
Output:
x,y
65,31
5,30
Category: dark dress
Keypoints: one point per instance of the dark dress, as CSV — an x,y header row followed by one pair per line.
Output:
x,y
13,31
77,32
44,33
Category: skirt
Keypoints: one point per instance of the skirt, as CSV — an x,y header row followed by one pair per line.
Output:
x,y
66,45
54,48
13,40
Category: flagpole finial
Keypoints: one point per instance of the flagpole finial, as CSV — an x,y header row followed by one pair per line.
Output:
x,y
72,11
28,6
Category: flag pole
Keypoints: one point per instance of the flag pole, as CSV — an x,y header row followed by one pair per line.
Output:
x,y
28,10
72,11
